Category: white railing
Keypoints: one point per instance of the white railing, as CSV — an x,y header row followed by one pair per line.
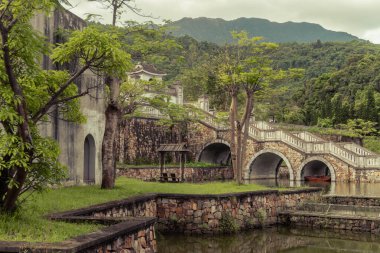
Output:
x,y
308,143
308,137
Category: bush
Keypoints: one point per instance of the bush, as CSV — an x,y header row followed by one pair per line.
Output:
x,y
227,224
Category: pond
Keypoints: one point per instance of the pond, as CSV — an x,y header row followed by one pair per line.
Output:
x,y
272,240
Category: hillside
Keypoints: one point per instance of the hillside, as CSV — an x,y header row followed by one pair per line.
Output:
x,y
218,30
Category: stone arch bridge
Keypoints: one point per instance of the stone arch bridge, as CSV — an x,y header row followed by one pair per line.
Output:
x,y
302,154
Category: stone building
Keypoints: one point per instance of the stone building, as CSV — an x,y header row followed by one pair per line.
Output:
x,y
80,144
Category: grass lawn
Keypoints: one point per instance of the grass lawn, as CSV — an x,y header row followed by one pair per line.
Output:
x,y
29,225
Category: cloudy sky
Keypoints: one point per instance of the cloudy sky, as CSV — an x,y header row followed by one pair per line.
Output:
x,y
358,17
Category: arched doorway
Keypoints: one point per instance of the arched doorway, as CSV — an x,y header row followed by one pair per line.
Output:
x,y
269,164
89,160
217,153
316,166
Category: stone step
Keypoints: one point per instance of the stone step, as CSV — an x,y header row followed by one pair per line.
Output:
x,y
344,210
323,220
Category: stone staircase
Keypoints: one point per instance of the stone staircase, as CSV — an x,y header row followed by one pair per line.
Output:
x,y
330,214
351,153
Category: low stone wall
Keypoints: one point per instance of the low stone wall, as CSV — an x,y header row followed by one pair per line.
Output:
x,y
190,174
207,214
126,236
321,221
352,200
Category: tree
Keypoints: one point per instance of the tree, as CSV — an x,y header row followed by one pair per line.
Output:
x,y
134,37
245,72
28,94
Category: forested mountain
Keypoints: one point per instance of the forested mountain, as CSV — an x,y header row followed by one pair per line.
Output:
x,y
341,80
218,30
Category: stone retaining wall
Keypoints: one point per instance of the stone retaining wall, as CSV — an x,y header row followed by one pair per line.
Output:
x,y
320,221
126,236
352,200
207,214
190,174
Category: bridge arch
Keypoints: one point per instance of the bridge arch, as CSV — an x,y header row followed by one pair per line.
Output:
x,y
217,151
265,164
315,165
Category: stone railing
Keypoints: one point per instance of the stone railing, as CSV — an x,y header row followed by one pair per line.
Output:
x,y
305,142
308,143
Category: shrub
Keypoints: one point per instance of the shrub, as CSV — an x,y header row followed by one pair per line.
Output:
x,y
227,224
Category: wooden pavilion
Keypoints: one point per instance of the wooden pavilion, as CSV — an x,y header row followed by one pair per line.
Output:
x,y
176,148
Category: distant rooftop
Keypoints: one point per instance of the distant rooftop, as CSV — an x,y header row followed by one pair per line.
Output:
x,y
147,68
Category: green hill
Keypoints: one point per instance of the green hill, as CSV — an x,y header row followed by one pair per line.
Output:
x,y
218,30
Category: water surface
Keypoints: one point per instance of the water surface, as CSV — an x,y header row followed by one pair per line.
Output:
x,y
272,240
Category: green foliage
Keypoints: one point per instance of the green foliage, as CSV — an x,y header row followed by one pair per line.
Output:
x,y
227,224
29,94
97,49
325,123
261,216
360,127
372,143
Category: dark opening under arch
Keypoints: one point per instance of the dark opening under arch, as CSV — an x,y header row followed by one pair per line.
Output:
x,y
269,166
89,160
217,153
315,168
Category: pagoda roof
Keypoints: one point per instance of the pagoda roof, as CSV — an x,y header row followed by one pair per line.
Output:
x,y
146,68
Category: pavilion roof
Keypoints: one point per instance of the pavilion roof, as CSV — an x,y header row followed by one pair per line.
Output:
x,y
174,147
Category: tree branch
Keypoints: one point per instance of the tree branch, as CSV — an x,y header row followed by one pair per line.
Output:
x,y
40,113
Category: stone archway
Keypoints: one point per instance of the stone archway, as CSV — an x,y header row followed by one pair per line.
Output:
x,y
89,160
265,165
217,152
316,166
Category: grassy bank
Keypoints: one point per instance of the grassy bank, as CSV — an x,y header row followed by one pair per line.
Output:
x,y
29,225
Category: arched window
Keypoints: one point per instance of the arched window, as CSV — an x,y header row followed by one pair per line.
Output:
x,y
89,160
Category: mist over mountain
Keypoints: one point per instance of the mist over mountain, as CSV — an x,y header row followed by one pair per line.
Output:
x,y
218,30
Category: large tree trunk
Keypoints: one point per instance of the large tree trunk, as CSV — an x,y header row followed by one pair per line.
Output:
x,y
110,134
246,122
9,202
233,115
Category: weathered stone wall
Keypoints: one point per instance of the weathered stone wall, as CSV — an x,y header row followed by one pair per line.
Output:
x,y
341,222
352,200
190,174
71,136
139,139
206,214
143,240
123,237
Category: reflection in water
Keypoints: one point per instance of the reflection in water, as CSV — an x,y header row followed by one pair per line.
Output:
x,y
274,240
332,188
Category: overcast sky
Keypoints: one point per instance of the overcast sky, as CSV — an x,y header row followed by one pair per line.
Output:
x,y
358,17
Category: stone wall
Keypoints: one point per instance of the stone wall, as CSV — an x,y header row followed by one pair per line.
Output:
x,y
341,222
142,240
126,236
139,139
190,174
205,214
352,200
